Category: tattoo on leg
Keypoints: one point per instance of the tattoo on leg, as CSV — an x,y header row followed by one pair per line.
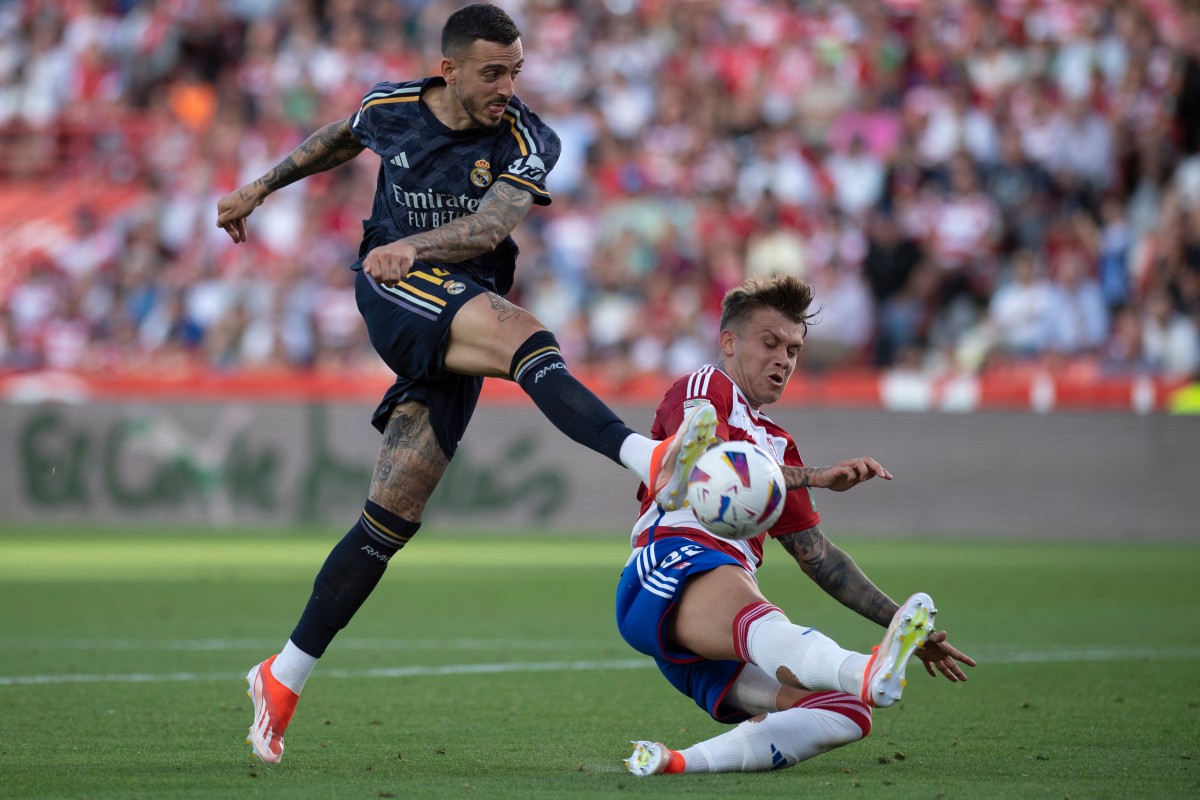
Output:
x,y
411,463
504,309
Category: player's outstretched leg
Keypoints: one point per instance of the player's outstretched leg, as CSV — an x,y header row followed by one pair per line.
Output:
x,y
820,722
274,705
883,679
674,458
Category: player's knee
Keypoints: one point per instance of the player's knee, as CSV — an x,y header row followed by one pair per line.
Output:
x,y
538,351
484,339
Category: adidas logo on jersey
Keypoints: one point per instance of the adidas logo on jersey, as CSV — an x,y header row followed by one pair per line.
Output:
x,y
400,160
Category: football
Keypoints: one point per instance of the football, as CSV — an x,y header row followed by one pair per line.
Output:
x,y
736,490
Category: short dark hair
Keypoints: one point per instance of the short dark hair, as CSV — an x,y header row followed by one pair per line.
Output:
x,y
474,22
786,294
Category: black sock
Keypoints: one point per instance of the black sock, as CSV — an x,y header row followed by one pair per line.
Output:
x,y
539,369
348,576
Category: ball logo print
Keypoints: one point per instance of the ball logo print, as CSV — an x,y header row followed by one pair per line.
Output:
x,y
736,490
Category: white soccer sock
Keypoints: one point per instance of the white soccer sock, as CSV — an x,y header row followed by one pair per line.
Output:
x,y
850,674
292,667
764,636
777,740
636,452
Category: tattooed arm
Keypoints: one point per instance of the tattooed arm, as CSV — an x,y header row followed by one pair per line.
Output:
x,y
840,477
835,572
840,577
825,562
327,148
500,211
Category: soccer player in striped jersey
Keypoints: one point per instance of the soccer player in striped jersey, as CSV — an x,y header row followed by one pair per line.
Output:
x,y
689,598
462,160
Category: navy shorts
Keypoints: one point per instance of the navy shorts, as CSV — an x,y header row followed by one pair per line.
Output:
x,y
409,326
646,597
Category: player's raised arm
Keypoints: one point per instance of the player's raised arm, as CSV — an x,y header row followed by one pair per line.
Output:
x,y
327,148
500,211
838,478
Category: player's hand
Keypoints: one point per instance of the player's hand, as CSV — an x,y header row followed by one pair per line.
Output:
x,y
391,262
233,208
940,656
848,474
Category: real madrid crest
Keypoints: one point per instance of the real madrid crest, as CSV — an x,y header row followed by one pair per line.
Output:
x,y
481,176
454,287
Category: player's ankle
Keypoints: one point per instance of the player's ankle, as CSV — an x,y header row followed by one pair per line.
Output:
x,y
851,673
637,454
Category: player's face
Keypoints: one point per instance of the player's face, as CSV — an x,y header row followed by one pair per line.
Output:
x,y
485,80
761,356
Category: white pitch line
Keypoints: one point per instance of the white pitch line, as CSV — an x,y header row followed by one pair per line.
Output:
x,y
256,645
1091,654
1088,654
396,672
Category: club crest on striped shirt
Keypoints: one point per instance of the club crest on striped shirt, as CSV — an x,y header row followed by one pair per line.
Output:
x,y
481,176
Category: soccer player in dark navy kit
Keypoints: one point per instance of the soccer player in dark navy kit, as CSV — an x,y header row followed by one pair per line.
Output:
x,y
462,160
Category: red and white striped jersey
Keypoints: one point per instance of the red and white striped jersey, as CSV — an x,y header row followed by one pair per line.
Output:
x,y
736,421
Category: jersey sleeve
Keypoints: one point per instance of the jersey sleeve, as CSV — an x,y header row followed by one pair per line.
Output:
x,y
365,122
534,150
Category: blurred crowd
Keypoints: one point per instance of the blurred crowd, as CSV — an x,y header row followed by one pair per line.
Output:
x,y
969,184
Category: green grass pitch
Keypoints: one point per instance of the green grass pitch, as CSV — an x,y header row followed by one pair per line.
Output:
x,y
490,667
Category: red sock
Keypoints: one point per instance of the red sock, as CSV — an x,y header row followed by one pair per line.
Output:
x,y
676,764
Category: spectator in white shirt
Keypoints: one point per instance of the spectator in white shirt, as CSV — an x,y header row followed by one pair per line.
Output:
x,y
857,175
1022,311
1081,316
1170,340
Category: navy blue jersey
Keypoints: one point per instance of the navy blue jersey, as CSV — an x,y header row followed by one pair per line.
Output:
x,y
430,174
